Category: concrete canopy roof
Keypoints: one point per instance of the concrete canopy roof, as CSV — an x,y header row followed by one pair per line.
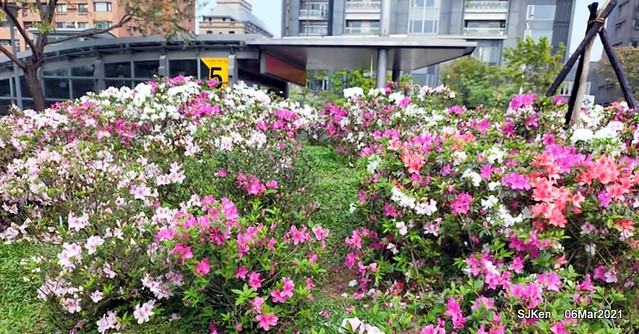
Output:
x,y
357,52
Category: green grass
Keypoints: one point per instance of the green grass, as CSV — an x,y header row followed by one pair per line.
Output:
x,y
22,311
336,189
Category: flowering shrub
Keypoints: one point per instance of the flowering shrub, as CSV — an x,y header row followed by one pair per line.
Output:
x,y
483,218
105,180
358,126
251,270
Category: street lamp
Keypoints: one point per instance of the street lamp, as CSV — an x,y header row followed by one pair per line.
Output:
x,y
13,9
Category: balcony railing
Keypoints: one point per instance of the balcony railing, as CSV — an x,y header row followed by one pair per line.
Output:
x,y
314,31
361,30
485,32
477,5
363,5
313,13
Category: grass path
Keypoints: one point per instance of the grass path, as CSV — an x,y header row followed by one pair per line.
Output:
x,y
21,311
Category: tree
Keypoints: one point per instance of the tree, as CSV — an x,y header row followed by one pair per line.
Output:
x,y
474,81
629,59
532,65
148,16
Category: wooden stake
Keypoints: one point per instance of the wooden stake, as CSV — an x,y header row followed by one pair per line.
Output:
x,y
616,65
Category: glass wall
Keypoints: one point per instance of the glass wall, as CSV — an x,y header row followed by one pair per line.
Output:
x,y
423,17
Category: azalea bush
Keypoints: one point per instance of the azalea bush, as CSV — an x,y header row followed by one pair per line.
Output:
x,y
477,215
243,272
357,126
100,181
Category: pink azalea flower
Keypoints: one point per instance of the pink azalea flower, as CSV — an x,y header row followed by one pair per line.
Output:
x,y
257,304
453,310
78,223
254,280
183,251
93,243
265,321
320,233
586,285
108,321
558,328
278,296
203,267
71,305
142,313
241,273
96,296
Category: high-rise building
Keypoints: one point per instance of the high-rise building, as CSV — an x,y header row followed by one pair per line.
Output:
x,y
623,24
494,24
74,16
232,17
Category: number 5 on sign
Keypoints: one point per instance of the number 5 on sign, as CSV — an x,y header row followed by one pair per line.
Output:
x,y
218,70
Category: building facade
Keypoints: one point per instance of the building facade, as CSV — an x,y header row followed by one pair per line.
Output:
x,y
74,16
494,24
232,17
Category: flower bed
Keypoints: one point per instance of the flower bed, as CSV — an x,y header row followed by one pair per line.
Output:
x,y
164,200
479,220
172,202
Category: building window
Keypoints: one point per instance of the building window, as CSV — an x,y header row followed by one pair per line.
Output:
x,y
488,51
362,27
83,25
60,25
423,17
102,6
61,8
83,8
102,24
540,12
5,42
313,28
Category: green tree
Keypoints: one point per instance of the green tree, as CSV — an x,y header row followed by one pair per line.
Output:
x,y
532,66
475,82
148,16
629,59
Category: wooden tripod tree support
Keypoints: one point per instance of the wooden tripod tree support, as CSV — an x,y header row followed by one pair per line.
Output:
x,y
596,23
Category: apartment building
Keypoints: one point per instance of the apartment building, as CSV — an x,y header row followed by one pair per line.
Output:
x,y
75,16
494,24
232,17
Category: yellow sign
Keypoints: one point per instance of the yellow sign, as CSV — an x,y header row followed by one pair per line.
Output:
x,y
218,70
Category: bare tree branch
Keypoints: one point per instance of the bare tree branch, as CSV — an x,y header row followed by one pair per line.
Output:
x,y
18,26
6,52
92,32
47,18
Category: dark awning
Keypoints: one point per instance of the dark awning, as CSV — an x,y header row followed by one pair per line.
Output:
x,y
359,52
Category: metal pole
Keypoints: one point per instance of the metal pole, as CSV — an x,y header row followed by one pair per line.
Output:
x,y
382,54
382,60
16,76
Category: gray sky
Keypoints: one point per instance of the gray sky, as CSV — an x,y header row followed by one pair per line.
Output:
x,y
579,29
